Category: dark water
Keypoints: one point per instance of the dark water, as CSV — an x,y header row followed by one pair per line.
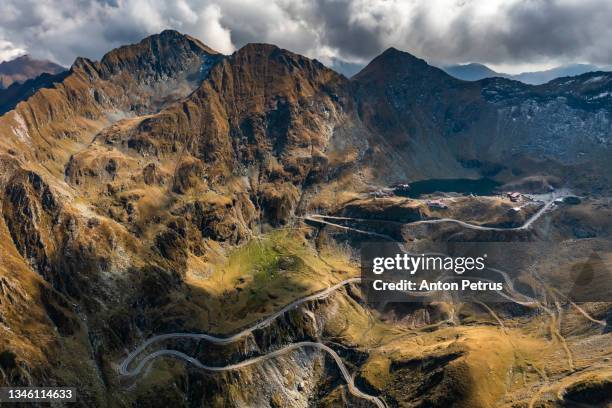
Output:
x,y
483,186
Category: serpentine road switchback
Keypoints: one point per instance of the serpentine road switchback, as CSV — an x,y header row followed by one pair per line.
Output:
x,y
291,347
123,369
124,366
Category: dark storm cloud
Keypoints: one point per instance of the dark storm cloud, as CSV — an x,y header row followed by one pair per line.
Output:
x,y
350,37
528,31
560,29
505,32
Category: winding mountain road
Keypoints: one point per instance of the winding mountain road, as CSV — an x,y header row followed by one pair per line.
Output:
x,y
274,354
222,340
124,367
125,371
319,218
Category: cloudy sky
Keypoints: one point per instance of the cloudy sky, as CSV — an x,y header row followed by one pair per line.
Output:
x,y
509,35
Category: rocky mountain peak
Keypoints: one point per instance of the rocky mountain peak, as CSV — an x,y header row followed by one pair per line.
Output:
x,y
268,55
271,72
396,64
135,79
161,57
25,67
157,56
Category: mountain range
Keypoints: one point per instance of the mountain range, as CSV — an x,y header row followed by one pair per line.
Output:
x,y
476,71
168,188
23,68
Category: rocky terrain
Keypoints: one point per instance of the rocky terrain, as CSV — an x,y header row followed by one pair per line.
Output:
x,y
167,189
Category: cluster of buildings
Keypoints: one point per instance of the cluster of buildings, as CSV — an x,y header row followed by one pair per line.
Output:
x,y
513,196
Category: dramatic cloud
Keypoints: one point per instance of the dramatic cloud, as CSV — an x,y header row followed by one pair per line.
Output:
x,y
503,33
8,51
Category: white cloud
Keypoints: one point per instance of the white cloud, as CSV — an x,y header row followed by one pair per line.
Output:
x,y
9,51
212,32
499,32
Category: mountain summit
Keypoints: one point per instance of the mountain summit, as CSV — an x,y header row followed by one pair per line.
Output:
x,y
25,67
472,71
394,63
156,56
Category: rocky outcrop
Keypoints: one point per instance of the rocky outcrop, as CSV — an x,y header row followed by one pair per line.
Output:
x,y
31,211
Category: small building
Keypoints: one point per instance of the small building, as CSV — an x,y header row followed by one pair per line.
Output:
x,y
514,196
401,189
572,200
404,186
437,205
401,186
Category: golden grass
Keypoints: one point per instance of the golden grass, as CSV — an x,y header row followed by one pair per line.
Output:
x,y
258,278
488,364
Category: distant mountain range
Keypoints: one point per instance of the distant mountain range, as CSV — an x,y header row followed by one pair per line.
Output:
x,y
25,67
475,71
348,69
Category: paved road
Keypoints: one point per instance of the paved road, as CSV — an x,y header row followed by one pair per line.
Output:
x,y
287,349
319,218
123,368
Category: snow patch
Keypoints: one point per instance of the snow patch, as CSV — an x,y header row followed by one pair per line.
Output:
x,y
601,95
595,79
21,130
